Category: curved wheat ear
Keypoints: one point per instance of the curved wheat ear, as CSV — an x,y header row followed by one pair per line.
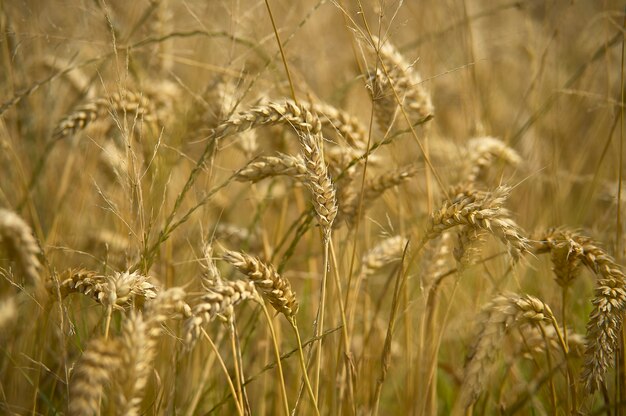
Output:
x,y
120,291
95,371
468,248
388,250
609,301
535,342
482,152
504,313
372,190
217,302
271,113
406,82
236,235
119,102
318,180
273,287
8,313
211,275
480,210
309,127
223,100
139,346
566,253
349,127
270,166
22,246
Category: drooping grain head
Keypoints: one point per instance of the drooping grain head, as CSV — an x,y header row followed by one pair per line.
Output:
x,y
482,152
568,249
388,250
119,291
480,210
17,236
392,75
499,317
218,302
319,182
117,104
273,287
93,374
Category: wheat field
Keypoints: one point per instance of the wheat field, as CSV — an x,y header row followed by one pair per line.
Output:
x,y
312,207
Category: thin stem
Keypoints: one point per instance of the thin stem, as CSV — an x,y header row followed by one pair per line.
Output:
x,y
206,372
303,366
319,322
344,331
228,378
238,380
553,398
279,366
282,52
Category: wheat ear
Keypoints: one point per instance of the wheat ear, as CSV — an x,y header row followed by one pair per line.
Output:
x,y
273,287
18,237
270,166
483,151
119,102
609,301
480,210
94,372
407,82
502,314
119,290
218,302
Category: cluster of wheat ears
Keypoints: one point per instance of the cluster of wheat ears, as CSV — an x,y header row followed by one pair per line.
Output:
x,y
169,251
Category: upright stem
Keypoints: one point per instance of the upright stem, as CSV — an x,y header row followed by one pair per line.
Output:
x,y
279,365
319,323
307,382
228,378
